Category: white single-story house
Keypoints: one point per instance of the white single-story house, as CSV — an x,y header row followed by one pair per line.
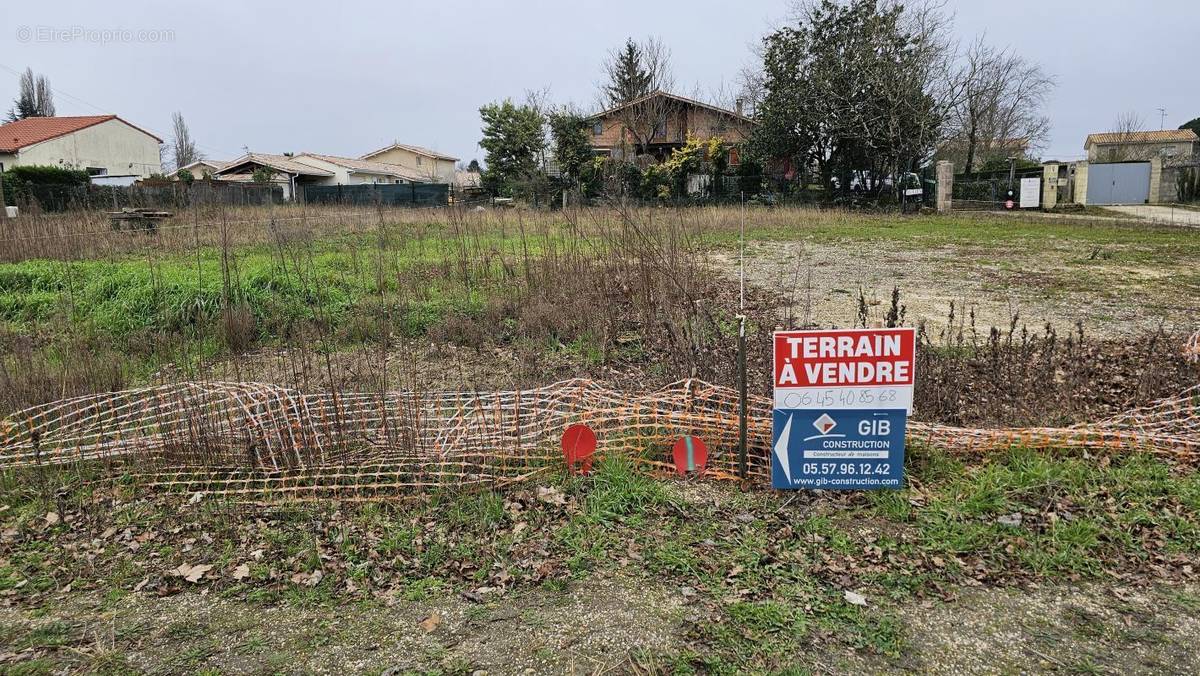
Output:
x,y
100,144
433,166
285,171
291,170
351,171
202,168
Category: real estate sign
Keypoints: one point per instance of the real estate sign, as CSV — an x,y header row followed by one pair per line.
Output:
x,y
842,400
1031,192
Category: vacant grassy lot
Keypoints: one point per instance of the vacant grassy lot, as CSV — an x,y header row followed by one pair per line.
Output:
x,y
581,286
1114,278
1114,275
1020,562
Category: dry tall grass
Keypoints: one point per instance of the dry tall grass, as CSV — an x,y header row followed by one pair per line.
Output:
x,y
80,235
613,285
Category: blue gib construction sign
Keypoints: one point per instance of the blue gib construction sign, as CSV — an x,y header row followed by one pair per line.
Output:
x,y
842,400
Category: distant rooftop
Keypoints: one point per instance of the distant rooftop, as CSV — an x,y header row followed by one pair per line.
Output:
x,y
281,163
1161,136
675,97
412,149
369,167
215,164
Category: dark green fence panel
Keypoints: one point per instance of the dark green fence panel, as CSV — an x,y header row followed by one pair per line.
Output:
x,y
388,194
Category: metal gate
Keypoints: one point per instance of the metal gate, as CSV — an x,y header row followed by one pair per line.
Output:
x,y
1118,183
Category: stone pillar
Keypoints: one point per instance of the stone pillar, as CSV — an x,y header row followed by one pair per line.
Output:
x,y
1156,167
1081,180
945,185
1049,185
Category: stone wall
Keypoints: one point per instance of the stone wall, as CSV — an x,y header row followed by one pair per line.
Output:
x,y
1172,174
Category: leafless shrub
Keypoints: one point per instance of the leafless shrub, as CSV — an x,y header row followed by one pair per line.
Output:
x,y
31,373
238,328
1015,376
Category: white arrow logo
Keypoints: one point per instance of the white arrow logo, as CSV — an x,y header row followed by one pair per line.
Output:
x,y
781,449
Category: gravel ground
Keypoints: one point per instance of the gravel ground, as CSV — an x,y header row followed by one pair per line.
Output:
x,y
592,627
1110,296
606,625
1066,629
1158,213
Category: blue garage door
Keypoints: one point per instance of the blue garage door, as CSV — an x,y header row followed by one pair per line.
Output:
x,y
1118,183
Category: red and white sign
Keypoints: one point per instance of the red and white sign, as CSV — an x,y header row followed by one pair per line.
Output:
x,y
845,368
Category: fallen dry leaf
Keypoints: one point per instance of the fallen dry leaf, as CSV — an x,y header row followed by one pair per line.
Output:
x,y
551,496
241,572
854,598
191,573
308,579
430,623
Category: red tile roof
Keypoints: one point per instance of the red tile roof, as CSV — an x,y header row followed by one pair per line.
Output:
x,y
31,130
1161,136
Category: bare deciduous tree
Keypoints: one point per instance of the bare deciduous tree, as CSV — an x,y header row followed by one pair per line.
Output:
x,y
751,88
43,97
634,73
1126,126
540,101
183,148
34,97
998,104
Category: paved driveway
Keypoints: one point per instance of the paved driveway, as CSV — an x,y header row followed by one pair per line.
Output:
x,y
1162,214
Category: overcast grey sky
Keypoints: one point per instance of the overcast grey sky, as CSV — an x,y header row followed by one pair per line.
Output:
x,y
345,79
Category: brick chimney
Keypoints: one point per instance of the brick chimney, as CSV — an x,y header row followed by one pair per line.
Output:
x,y
738,104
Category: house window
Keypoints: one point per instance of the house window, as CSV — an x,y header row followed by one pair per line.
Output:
x,y
735,157
660,131
97,171
597,128
418,160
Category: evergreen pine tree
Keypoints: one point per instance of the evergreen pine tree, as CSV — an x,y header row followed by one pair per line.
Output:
x,y
628,78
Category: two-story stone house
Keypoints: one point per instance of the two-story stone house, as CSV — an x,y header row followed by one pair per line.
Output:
x,y
1141,145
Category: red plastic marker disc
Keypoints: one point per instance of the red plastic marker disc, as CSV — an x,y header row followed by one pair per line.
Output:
x,y
691,455
578,444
